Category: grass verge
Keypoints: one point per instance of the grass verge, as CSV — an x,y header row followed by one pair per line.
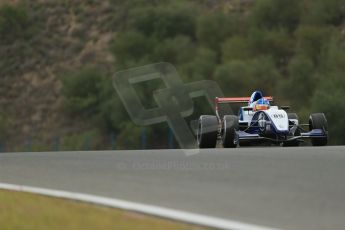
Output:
x,y
29,211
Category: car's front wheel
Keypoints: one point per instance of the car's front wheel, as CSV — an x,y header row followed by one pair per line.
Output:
x,y
318,121
229,128
207,131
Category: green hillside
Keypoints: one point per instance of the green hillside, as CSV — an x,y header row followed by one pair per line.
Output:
x,y
58,58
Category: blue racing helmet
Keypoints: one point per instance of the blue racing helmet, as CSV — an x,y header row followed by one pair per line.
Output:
x,y
262,104
263,101
256,95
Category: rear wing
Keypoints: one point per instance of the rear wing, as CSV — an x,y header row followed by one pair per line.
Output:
x,y
223,100
219,100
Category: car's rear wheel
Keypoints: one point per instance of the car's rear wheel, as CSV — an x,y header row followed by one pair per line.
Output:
x,y
293,116
318,121
229,135
207,131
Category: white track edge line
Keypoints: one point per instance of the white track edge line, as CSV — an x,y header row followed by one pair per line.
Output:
x,y
182,216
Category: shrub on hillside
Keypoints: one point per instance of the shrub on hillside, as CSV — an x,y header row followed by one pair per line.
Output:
x,y
329,98
132,47
233,77
264,75
273,14
310,40
276,43
329,91
213,29
301,82
202,66
164,21
14,22
236,48
240,77
177,50
3,126
81,90
320,12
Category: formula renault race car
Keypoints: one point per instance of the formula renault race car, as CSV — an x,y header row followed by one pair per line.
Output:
x,y
259,123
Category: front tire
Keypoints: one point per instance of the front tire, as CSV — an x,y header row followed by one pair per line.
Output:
x,y
229,135
318,121
207,131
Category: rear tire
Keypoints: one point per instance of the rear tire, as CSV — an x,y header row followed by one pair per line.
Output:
x,y
318,121
229,135
293,143
207,131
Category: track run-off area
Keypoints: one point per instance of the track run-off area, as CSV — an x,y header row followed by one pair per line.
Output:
x,y
283,188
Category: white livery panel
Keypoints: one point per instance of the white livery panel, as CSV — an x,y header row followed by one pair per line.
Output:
x,y
279,119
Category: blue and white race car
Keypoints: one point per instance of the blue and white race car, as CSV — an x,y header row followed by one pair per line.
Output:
x,y
257,123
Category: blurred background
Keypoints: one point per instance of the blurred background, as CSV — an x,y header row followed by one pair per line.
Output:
x,y
58,58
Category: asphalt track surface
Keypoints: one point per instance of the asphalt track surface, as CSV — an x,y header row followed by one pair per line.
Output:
x,y
286,188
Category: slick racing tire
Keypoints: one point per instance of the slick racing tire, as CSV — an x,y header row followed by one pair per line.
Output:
x,y
318,121
297,132
207,131
229,135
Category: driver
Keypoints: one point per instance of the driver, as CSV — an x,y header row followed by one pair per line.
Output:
x,y
258,102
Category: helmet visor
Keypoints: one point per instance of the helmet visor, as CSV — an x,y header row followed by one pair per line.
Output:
x,y
261,107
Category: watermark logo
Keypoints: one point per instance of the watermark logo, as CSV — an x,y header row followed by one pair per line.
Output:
x,y
174,103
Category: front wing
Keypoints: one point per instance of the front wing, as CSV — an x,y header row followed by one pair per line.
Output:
x,y
315,133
